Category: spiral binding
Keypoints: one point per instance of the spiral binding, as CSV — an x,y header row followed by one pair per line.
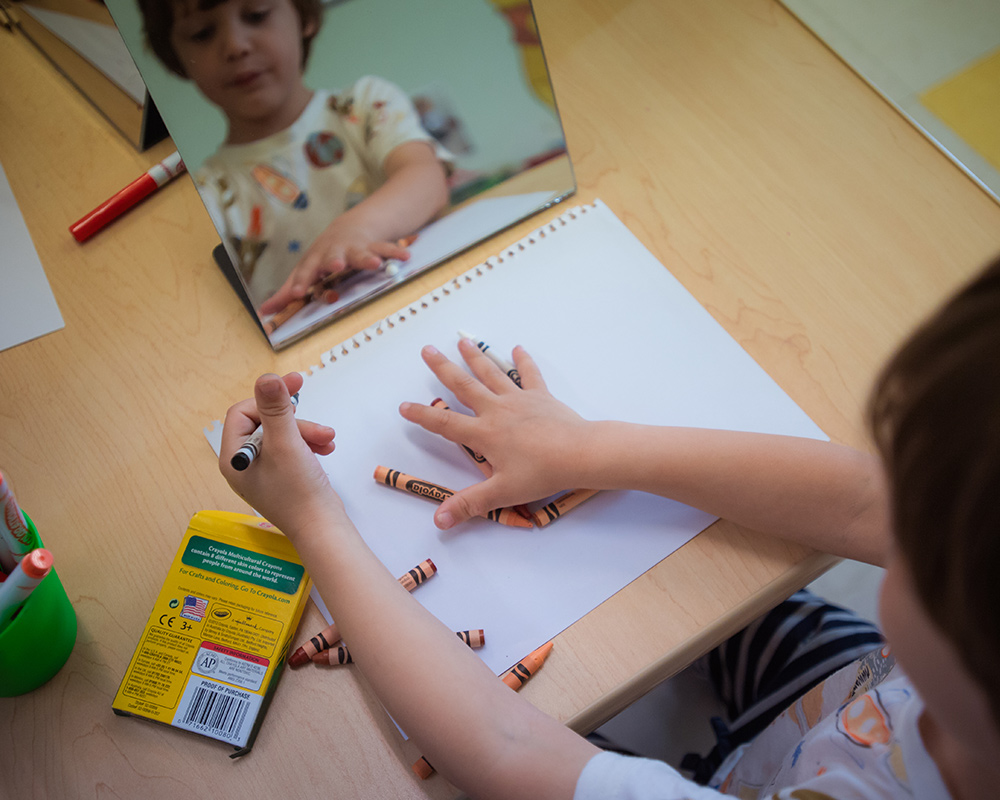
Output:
x,y
398,318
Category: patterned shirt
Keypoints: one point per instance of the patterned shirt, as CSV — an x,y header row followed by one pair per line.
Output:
x,y
271,198
854,736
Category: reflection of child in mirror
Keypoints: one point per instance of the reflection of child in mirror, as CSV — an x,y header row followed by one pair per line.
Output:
x,y
307,183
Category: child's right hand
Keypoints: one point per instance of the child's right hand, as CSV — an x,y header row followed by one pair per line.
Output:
x,y
535,444
285,483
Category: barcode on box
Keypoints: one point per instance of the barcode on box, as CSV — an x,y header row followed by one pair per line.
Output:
x,y
217,710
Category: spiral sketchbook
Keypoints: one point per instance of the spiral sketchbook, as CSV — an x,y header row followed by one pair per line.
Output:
x,y
616,336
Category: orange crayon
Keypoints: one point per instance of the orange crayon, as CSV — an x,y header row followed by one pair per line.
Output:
x,y
515,678
432,491
341,655
518,675
561,505
328,637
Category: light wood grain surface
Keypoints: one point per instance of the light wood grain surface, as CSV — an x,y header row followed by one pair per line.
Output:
x,y
809,218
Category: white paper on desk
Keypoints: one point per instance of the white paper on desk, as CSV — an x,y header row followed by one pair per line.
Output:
x,y
616,336
27,307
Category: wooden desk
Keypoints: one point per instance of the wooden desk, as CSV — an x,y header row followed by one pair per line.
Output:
x,y
803,212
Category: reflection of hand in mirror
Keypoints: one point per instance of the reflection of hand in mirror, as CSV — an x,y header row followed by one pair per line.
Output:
x,y
367,234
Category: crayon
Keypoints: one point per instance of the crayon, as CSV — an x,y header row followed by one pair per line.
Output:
x,y
341,655
561,505
21,581
432,491
480,460
15,538
244,457
518,675
515,678
322,289
509,369
328,637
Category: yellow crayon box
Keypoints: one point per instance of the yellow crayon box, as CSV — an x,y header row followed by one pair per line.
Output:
x,y
215,644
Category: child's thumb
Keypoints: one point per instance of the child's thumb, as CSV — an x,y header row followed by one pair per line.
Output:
x,y
471,502
275,406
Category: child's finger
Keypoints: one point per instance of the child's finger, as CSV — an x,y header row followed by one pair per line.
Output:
x,y
318,437
469,391
491,376
241,420
531,376
389,250
449,424
472,501
274,405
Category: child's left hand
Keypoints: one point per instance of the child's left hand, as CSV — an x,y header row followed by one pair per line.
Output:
x,y
342,245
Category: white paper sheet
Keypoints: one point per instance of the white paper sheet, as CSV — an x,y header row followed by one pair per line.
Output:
x,y
27,306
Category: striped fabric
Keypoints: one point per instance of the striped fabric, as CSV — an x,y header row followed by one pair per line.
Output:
x,y
772,662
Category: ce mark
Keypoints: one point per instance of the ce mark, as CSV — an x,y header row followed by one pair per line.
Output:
x,y
168,620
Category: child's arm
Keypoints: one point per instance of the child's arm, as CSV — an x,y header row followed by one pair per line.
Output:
x,y
360,238
477,732
827,496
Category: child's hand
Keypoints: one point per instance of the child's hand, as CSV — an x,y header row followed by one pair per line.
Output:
x,y
340,246
285,483
535,444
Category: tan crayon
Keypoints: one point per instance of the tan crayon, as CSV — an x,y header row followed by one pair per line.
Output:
x,y
480,460
432,491
328,637
515,678
341,655
561,505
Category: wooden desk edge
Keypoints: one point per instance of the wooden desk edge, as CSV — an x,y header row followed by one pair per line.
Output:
x,y
686,653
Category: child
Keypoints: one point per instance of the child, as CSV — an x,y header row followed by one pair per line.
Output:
x,y
295,159
927,510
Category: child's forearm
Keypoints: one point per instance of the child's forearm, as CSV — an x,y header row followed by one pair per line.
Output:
x,y
415,190
473,728
826,496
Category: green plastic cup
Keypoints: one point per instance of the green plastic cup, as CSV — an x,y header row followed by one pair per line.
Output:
x,y
36,643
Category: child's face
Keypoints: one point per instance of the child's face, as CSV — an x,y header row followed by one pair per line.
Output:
x,y
953,698
245,56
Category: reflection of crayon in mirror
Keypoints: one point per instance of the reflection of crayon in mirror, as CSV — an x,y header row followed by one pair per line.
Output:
x,y
279,186
509,369
323,290
515,678
484,466
561,505
341,655
432,491
329,636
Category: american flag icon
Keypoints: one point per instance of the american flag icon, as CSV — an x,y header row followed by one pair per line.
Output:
x,y
194,608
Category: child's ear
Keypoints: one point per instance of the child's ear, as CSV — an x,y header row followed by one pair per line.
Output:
x,y
310,28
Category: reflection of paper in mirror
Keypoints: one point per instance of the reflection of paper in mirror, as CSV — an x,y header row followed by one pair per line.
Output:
x,y
101,45
435,242
473,73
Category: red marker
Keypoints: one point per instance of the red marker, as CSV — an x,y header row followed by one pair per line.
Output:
x,y
139,189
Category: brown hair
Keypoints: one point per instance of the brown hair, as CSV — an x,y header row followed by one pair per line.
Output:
x,y
935,416
158,22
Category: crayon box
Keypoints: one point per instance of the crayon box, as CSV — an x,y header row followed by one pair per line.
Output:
x,y
215,643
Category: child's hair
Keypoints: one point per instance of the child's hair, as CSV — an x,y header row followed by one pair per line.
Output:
x,y
935,416
158,22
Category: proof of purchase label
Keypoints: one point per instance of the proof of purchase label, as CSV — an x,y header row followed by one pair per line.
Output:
x,y
214,709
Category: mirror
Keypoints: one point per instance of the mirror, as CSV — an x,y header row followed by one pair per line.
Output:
x,y
455,88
